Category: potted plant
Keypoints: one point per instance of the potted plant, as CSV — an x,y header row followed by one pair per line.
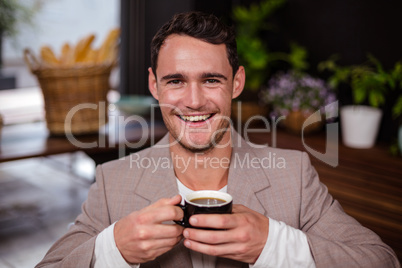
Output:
x,y
397,107
370,84
251,24
296,96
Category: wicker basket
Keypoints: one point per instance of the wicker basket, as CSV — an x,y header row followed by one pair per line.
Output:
x,y
76,95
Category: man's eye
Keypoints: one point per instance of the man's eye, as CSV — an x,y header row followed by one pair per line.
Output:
x,y
174,82
212,81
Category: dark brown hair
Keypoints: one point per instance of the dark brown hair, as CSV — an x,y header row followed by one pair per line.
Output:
x,y
205,27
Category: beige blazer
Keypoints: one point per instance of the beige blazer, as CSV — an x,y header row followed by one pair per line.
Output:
x,y
281,184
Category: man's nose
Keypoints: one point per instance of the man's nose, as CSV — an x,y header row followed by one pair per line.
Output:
x,y
195,96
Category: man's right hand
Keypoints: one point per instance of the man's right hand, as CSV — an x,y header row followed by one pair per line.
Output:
x,y
142,236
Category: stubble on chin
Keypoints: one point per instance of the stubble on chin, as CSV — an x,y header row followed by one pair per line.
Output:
x,y
216,138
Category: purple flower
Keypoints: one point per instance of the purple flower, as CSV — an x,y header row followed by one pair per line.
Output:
x,y
293,91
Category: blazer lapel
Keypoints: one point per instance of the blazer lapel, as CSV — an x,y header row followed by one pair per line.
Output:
x,y
247,178
158,179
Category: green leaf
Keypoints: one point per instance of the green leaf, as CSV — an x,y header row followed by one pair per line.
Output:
x,y
298,57
252,49
359,92
397,109
376,98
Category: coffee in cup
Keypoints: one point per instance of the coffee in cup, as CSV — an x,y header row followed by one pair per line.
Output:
x,y
205,202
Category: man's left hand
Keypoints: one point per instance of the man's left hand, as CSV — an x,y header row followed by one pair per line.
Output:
x,y
241,236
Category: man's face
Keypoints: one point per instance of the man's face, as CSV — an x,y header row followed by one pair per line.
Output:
x,y
194,85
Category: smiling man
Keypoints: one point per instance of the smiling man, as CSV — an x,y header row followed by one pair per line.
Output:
x,y
282,217
194,83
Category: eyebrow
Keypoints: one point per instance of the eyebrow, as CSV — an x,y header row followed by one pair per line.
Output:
x,y
172,76
217,75
203,76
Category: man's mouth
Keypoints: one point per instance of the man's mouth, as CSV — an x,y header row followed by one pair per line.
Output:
x,y
195,118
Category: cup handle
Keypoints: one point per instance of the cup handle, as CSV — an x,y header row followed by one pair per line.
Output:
x,y
182,222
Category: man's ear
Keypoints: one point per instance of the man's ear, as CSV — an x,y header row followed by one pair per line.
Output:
x,y
152,83
238,82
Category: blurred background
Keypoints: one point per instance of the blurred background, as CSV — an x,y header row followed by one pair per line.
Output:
x,y
325,40
41,196
350,30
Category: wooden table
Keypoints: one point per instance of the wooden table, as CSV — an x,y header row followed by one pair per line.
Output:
x,y
25,134
28,140
367,182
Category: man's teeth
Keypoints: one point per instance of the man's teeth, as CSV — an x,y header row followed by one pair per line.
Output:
x,y
195,118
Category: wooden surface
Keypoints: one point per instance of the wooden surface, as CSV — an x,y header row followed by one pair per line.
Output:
x,y
28,140
25,134
367,182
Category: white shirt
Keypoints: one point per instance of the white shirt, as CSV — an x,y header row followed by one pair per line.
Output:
x,y
285,247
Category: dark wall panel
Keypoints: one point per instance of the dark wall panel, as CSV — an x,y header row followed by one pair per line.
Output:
x,y
349,28
140,19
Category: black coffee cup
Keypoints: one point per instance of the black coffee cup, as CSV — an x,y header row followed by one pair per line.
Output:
x,y
205,202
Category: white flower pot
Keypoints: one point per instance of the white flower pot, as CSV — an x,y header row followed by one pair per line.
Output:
x,y
400,138
360,125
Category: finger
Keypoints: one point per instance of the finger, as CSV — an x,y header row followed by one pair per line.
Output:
x,y
160,214
237,208
214,221
156,244
164,209
211,237
163,231
142,251
223,250
167,201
